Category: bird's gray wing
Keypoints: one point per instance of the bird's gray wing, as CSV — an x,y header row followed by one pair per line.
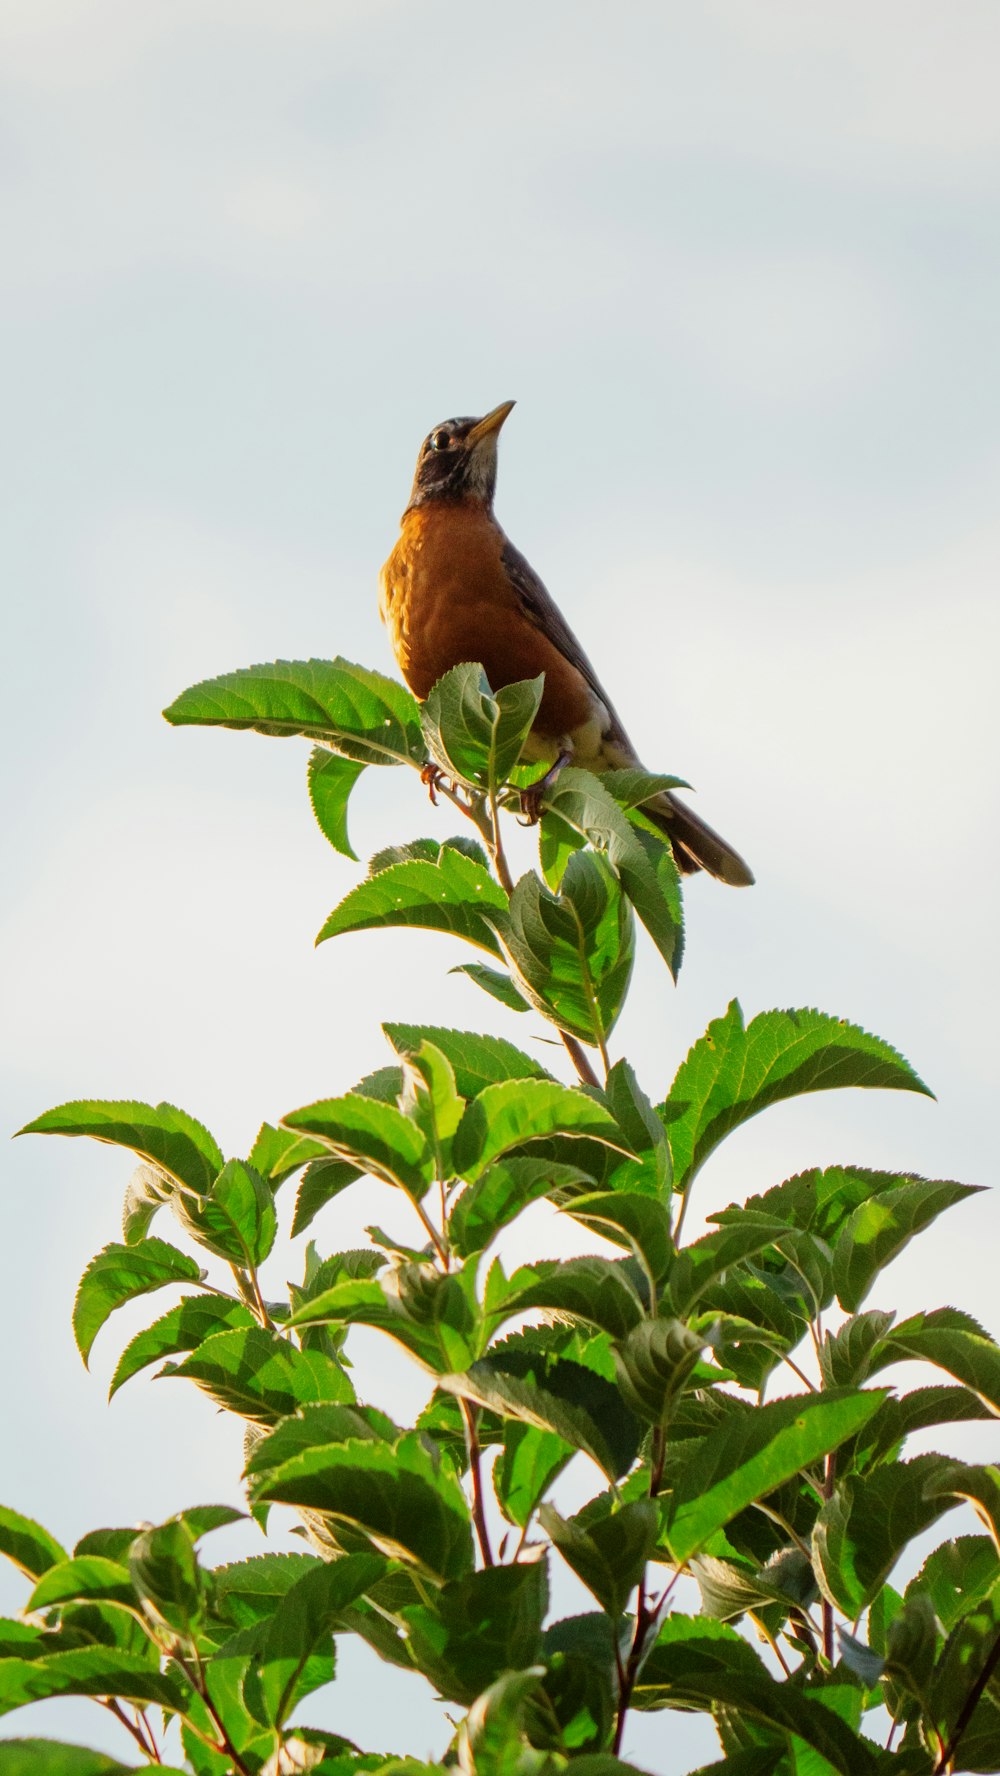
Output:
x,y
541,609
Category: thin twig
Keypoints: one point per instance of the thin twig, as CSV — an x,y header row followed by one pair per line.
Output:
x,y
476,1473
579,1059
803,1377
132,1727
765,1633
947,1759
197,1677
829,1478
259,1302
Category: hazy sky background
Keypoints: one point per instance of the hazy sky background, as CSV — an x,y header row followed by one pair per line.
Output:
x,y
740,266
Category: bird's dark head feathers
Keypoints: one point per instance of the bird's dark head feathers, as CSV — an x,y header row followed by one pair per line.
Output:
x,y
458,459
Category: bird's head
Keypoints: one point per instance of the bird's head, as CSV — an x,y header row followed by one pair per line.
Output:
x,y
458,460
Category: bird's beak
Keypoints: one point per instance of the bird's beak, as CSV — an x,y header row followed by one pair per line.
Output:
x,y
486,428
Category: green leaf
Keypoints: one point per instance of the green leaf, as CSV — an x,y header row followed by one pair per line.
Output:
x,y
50,1757
27,1544
595,1290
165,1572
609,1555
518,1111
410,1505
736,1070
496,984
845,1356
897,1419
359,713
236,1220
474,736
313,1426
583,803
184,1328
87,1671
166,1137
261,1376
700,1263
760,1761
476,1060
277,1153
862,1530
147,1191
968,1654
879,1229
491,1740
86,1579
631,788
971,1356
956,1576
654,1363
453,894
248,1591
529,1462
430,1098
331,780
375,1137
500,1193
979,1486
750,1456
478,1627
702,1664
571,953
555,1395
305,1616
121,1273
322,1180
637,1119
625,1216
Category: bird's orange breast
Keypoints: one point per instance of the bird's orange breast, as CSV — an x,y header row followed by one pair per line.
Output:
x,y
445,597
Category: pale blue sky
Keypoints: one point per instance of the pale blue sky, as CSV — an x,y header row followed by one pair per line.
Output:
x,y
739,265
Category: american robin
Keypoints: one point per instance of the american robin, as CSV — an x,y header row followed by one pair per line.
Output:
x,y
455,589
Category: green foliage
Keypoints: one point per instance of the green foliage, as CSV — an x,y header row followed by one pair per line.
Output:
x,y
722,1391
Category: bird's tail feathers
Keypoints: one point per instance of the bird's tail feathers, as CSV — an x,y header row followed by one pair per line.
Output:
x,y
694,844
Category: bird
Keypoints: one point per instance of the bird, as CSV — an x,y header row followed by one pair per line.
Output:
x,y
456,589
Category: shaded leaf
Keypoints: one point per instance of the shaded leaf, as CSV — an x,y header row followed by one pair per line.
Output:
x,y
453,894
167,1137
500,1193
609,1555
555,1395
518,1111
260,1376
571,953
331,780
374,1136
27,1544
736,1070
400,1495
476,1060
121,1273
879,1229
495,983
277,1153
183,1328
475,735
752,1455
862,1530
362,714
478,1627
582,802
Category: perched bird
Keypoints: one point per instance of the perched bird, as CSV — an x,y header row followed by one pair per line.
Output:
x,y
455,589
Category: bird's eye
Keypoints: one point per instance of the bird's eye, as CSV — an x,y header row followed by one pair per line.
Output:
x,y
440,440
